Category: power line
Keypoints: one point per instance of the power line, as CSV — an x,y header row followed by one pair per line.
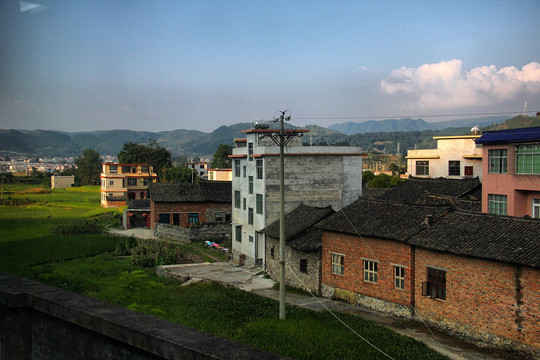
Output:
x,y
413,116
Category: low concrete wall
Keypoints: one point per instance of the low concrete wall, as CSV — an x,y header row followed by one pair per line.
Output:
x,y
194,233
38,321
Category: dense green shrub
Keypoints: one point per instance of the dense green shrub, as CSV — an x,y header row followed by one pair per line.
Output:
x,y
150,253
16,202
125,246
86,226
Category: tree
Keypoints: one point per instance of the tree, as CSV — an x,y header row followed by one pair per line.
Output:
x,y
88,167
366,177
384,181
221,157
178,174
151,153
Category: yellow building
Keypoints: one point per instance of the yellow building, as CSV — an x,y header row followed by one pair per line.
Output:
x,y
220,174
121,183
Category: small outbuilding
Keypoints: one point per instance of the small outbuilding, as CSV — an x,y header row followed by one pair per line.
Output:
x,y
59,182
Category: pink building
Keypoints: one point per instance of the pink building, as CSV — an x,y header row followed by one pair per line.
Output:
x,y
511,174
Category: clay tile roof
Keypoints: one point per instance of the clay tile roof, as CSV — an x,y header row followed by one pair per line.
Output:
x,y
381,219
414,190
487,236
299,231
207,191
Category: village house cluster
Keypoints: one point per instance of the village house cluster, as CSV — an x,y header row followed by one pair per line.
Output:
x,y
456,246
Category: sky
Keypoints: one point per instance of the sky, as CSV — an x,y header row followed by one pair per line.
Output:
x,y
85,65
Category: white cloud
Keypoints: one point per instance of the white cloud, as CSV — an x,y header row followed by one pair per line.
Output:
x,y
446,85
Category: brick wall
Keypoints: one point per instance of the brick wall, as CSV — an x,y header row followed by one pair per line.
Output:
x,y
206,211
387,253
489,301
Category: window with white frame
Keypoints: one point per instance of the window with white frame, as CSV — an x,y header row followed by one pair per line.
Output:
x,y
399,277
497,161
535,208
113,168
370,271
338,264
528,159
422,167
497,204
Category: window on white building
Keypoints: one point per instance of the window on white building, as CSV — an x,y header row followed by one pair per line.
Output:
x,y
422,167
237,199
250,151
251,184
497,204
237,168
259,169
259,204
454,168
250,216
132,182
238,233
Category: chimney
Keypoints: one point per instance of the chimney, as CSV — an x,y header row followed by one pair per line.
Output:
x,y
429,220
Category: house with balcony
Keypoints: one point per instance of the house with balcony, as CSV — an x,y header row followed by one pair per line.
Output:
x,y
317,176
511,174
121,183
456,157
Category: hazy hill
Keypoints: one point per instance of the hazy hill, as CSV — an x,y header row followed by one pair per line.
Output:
x,y
519,121
409,124
192,143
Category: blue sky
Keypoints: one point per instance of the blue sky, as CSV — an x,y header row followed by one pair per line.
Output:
x,y
164,65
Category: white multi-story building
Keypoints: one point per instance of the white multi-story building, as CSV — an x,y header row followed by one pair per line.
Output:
x,y
456,157
314,175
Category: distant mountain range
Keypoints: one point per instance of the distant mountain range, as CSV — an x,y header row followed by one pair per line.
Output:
x,y
382,136
408,124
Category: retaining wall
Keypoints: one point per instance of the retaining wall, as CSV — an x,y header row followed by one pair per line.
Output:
x,y
38,321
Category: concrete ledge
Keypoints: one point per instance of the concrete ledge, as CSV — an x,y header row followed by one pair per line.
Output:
x,y
57,324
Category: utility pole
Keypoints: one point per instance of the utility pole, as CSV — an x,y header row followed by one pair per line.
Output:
x,y
281,139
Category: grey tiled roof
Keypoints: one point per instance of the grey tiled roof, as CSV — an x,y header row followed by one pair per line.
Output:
x,y
415,190
299,231
207,191
139,204
494,237
381,219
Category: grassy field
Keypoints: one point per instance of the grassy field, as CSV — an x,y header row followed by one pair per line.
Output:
x,y
85,264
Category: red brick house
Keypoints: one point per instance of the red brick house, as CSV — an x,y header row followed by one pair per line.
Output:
x,y
183,205
365,255
474,274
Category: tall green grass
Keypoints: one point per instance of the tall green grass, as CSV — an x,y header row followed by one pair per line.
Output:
x,y
85,264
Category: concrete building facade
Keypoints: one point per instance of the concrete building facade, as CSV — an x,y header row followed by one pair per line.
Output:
x,y
456,157
121,183
58,181
316,176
